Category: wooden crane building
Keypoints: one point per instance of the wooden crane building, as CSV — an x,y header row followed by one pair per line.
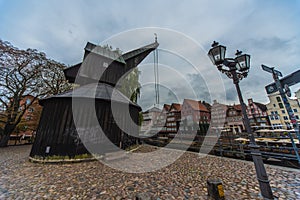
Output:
x,y
98,74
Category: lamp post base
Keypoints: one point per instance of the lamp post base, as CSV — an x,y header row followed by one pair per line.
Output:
x,y
261,173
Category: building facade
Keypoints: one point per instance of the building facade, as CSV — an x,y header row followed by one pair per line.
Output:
x,y
163,118
278,115
257,114
173,118
218,115
151,121
234,119
195,116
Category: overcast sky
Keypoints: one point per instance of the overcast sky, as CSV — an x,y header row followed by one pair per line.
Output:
x,y
267,30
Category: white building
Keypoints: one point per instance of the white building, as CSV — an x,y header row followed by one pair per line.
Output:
x,y
151,121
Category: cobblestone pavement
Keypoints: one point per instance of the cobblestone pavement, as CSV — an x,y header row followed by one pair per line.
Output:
x,y
184,179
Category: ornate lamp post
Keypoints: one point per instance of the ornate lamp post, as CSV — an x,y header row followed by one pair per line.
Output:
x,y
237,68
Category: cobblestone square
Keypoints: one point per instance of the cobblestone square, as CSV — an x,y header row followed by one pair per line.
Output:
x,y
184,179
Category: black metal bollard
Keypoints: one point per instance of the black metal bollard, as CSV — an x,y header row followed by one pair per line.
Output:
x,y
215,188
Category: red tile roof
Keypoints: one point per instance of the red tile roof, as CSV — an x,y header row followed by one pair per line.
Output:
x,y
176,106
207,105
237,107
196,105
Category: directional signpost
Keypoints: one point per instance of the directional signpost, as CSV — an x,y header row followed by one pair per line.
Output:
x,y
287,105
271,70
289,80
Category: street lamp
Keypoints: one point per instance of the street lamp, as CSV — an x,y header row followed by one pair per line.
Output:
x,y
237,68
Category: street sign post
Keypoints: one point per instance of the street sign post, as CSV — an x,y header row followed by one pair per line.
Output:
x,y
287,105
287,90
271,70
289,80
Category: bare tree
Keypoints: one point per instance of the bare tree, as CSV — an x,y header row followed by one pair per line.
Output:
x,y
25,72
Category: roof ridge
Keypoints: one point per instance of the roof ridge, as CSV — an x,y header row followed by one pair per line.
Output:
x,y
200,106
133,52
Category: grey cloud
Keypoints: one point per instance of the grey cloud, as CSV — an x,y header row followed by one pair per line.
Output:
x,y
268,31
231,94
200,87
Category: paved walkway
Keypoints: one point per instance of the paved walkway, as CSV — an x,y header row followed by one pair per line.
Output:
x,y
184,179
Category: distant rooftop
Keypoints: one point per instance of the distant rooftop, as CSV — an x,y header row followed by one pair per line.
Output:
x,y
153,109
196,105
176,106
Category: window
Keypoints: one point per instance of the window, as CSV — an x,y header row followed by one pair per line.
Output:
x,y
280,105
295,110
30,110
274,105
283,111
278,99
285,117
297,117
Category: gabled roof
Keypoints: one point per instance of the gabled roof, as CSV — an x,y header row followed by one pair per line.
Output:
x,y
207,105
175,106
196,105
237,107
128,61
154,109
166,107
262,107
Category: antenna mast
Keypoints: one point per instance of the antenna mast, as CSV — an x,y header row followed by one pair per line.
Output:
x,y
156,75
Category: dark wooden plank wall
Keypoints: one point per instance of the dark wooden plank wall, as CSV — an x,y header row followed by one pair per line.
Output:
x,y
57,129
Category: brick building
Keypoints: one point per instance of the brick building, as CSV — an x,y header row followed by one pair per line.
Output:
x,y
195,116
29,121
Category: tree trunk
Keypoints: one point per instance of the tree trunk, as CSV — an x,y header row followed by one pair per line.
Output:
x,y
8,129
4,140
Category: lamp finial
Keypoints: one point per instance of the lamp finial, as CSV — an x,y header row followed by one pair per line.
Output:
x,y
238,52
214,44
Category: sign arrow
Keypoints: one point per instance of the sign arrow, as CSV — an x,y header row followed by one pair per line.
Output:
x,y
271,70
